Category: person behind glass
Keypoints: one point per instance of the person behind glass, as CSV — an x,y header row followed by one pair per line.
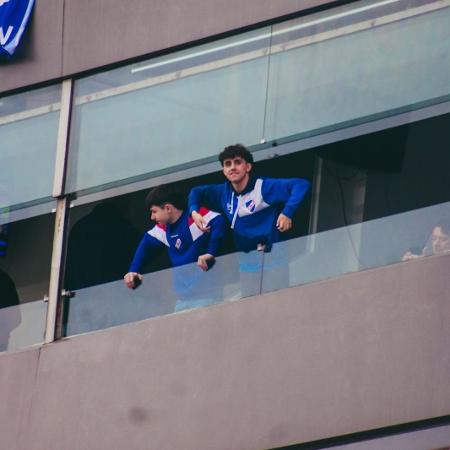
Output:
x,y
10,317
258,209
438,242
185,243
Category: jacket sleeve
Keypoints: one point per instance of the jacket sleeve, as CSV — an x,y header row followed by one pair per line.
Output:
x,y
208,194
217,234
145,251
287,191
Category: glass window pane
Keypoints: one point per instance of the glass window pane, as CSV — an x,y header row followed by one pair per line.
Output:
x,y
357,247
433,438
168,112
25,260
381,206
357,62
111,304
28,136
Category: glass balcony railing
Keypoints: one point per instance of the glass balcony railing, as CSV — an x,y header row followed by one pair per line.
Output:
x,y
22,325
354,248
25,260
111,304
327,254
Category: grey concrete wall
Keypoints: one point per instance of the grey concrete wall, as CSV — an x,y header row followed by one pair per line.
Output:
x,y
354,353
124,29
70,36
18,372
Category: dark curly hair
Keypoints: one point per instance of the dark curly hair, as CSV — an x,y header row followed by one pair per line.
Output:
x,y
232,151
166,193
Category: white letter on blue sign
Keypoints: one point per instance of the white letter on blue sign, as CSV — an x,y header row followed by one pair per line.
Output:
x,y
4,37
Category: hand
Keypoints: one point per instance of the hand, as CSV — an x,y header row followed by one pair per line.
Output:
x,y
284,223
130,280
408,256
200,221
205,261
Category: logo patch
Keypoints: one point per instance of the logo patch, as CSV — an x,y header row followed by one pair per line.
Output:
x,y
178,244
250,205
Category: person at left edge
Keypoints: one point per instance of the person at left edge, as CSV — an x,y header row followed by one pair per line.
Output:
x,y
185,243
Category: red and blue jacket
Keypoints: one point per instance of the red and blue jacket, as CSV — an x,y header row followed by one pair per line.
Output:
x,y
184,241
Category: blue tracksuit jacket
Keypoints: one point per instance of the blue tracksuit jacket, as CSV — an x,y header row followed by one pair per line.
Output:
x,y
253,213
184,241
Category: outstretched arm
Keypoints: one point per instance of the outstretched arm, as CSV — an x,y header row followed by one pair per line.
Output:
x,y
290,192
144,252
208,194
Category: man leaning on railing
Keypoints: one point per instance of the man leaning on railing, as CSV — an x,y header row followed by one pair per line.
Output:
x,y
184,242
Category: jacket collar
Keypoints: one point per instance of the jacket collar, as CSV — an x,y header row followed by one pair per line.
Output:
x,y
248,188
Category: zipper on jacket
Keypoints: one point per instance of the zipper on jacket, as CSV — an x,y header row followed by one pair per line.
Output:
x,y
237,209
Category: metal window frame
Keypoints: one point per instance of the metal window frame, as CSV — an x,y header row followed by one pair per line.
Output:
x,y
53,326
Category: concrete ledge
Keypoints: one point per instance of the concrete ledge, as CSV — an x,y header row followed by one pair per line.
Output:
x,y
354,353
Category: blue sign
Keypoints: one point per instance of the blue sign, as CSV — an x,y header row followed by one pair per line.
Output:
x,y
14,15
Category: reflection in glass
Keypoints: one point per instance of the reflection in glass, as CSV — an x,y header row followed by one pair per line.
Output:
x,y
113,303
28,135
25,259
356,61
169,111
362,246
25,323
100,244
10,317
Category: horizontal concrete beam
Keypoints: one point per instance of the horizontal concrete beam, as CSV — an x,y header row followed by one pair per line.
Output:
x,y
104,31
71,36
359,352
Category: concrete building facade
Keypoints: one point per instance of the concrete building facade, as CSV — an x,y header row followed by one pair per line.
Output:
x,y
106,99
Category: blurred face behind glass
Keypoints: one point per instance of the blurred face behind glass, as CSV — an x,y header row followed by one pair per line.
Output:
x,y
440,241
